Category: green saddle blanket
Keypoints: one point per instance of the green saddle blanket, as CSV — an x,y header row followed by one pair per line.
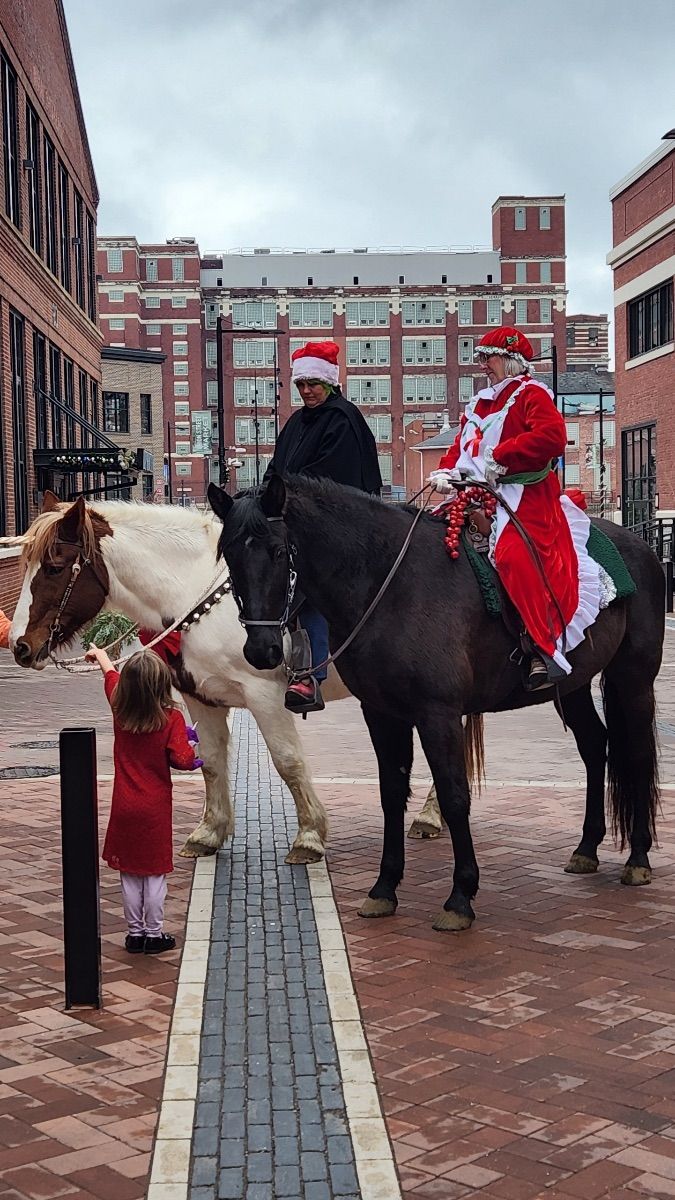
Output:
x,y
600,548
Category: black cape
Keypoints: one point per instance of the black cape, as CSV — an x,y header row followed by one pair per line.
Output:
x,y
332,441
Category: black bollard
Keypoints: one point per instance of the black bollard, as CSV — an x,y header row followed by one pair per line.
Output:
x,y
667,565
79,856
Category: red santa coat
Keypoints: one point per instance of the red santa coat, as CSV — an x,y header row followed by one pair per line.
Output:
x,y
517,426
139,836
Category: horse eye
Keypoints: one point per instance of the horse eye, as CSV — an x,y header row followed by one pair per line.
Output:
x,y
53,568
279,553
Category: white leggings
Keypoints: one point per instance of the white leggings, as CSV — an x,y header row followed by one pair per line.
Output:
x,y
143,899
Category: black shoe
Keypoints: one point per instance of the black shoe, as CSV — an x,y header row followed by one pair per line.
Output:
x,y
135,943
537,676
158,945
304,697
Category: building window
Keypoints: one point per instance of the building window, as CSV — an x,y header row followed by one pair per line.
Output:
x,y
179,327
572,473
593,338
572,434
148,487
360,313
247,475
151,270
179,302
368,352
181,368
64,225
115,260
10,143
181,408
253,352
116,412
51,256
78,247
91,267
33,179
116,323
85,437
182,429
521,272
423,312
494,312
521,312
116,296
244,431
245,392
40,387
424,352
55,389
608,433
424,389
211,316
184,448
146,413
211,355
545,312
650,320
261,313
520,218
465,312
544,217
545,347
384,461
183,468
19,441
375,389
570,335
69,398
465,347
181,389
153,329
466,385
152,301
181,348
178,269
310,314
544,272
380,427
211,392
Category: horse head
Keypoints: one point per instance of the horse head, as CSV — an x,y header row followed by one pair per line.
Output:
x,y
254,543
65,582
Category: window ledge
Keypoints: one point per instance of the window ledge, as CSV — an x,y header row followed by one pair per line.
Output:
x,y
649,356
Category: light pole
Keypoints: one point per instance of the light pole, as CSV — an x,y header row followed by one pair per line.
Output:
x,y
220,374
602,454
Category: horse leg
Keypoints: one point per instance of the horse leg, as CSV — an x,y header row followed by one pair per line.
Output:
x,y
393,744
633,765
217,823
590,735
442,739
280,733
427,823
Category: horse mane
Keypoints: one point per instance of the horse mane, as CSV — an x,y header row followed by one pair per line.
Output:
x,y
39,540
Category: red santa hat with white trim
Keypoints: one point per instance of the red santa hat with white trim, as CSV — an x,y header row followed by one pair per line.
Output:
x,y
507,341
317,360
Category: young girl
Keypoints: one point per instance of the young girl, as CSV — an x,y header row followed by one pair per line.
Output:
x,y
5,626
150,738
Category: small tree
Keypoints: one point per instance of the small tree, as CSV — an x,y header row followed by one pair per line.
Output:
x,y
110,629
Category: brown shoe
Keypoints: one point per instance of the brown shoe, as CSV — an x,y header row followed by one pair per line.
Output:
x,y
537,676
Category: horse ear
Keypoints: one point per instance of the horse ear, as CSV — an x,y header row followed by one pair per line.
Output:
x,y
273,499
49,502
220,501
70,525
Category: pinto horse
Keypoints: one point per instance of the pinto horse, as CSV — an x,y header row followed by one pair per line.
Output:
x,y
430,653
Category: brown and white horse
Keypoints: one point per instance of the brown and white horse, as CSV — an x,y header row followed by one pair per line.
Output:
x,y
150,563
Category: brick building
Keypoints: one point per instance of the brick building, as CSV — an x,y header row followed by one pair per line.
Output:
x,y
587,402
150,299
587,342
643,264
133,413
49,341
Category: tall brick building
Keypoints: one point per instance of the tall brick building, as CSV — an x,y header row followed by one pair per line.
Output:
x,y
587,342
49,341
643,262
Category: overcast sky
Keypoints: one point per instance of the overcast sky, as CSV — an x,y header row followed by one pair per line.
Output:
x,y
370,122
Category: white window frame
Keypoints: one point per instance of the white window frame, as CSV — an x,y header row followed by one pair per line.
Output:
x,y
368,352
465,312
180,328
465,351
178,269
116,295
183,469
423,312
181,429
520,217
544,216
466,388
151,273
152,301
252,352
433,389
545,271
211,392
178,301
572,473
369,389
180,349
380,426
211,314
244,391
385,462
423,352
545,311
153,329
244,431
181,368
211,356
115,260
260,313
520,312
116,322
246,473
365,314
493,312
181,389
181,408
521,271
572,428
183,448
608,432
301,314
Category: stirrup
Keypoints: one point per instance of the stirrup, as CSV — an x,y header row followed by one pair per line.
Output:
x,y
297,703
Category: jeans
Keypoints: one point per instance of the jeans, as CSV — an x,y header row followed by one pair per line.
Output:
x,y
316,628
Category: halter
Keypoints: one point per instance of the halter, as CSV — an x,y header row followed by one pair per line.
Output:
x,y
282,622
55,629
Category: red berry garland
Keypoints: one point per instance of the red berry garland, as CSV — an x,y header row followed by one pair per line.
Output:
x,y
455,514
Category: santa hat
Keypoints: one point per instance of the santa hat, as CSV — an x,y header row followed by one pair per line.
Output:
x,y
316,360
508,341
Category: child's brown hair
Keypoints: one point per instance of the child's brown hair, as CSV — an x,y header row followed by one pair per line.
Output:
x,y
143,693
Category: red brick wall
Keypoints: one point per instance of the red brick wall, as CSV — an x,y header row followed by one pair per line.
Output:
x,y
644,199
10,583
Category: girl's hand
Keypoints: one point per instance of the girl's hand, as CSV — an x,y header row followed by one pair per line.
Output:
x,y
92,654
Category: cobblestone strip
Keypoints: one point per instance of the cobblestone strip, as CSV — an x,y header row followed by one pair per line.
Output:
x,y
271,1121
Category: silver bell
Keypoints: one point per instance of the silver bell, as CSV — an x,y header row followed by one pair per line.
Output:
x,y
207,607
196,616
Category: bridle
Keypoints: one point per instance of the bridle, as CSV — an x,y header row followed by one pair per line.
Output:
x,y
56,629
282,622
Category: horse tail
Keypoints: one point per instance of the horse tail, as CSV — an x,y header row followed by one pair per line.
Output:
x,y
474,750
632,758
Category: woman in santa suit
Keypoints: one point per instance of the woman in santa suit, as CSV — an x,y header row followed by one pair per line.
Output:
x,y
511,436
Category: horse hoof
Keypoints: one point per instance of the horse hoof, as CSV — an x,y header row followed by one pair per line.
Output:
x,y
377,908
450,921
198,850
581,864
303,854
636,876
423,830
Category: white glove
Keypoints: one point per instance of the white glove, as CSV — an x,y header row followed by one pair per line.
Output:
x,y
444,480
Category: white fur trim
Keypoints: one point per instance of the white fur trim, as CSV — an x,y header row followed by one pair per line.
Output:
x,y
590,589
492,465
489,350
315,368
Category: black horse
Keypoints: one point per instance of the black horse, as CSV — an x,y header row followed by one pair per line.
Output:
x,y
430,653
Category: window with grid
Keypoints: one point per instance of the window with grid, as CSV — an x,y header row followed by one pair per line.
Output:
x,y
545,272
545,312
246,473
116,323
115,260
10,140
494,312
465,350
254,312
211,355
367,352
245,389
429,418
116,295
571,473
211,316
465,312
366,312
521,312
182,429
520,218
181,348
572,433
423,312
608,432
146,413
153,329
544,217
424,351
152,301
570,335
424,389
181,408
211,392
384,461
178,269
650,320
181,368
116,412
375,389
244,431
545,347
51,246
33,182
521,272
151,269
184,448
179,302
593,337
380,427
254,352
64,225
466,388
181,389
179,327
310,314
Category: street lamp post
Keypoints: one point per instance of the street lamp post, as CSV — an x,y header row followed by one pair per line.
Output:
x,y
602,454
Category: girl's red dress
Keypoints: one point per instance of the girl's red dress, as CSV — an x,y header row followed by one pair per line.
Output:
x,y
139,835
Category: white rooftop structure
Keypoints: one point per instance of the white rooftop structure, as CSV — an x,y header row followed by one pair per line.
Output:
x,y
360,267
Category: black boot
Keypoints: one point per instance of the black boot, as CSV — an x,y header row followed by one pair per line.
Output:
x,y
537,676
